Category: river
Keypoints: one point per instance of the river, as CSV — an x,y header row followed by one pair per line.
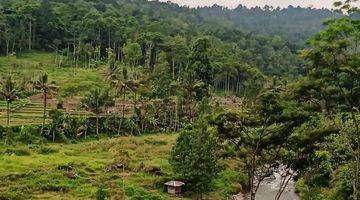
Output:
x,y
270,186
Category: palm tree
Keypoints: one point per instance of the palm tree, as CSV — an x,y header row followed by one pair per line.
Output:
x,y
96,101
9,93
46,87
189,89
119,81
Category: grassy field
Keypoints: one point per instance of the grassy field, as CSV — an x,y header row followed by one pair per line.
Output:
x,y
77,171
71,80
88,168
73,83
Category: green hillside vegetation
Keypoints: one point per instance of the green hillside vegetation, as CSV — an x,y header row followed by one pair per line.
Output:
x,y
26,170
75,82
112,99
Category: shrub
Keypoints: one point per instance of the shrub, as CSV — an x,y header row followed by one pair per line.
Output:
x,y
45,150
194,158
102,193
30,135
18,152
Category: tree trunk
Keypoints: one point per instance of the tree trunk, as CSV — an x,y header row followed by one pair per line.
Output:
x,y
56,54
30,34
109,38
44,114
33,43
176,116
97,125
252,188
77,56
135,101
13,46
74,52
173,68
8,113
123,114
283,186
7,48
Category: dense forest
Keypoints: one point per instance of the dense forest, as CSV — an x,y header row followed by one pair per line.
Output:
x,y
111,99
84,29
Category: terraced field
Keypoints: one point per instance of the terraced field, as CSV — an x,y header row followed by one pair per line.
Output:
x,y
71,81
30,111
23,112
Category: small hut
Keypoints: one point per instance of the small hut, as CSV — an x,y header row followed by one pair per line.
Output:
x,y
174,187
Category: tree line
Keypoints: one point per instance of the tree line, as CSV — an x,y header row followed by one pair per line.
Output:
x,y
138,32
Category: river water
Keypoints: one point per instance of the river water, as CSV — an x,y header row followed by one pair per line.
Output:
x,y
269,188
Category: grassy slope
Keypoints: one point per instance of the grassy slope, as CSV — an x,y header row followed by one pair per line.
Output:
x,y
33,63
41,175
71,81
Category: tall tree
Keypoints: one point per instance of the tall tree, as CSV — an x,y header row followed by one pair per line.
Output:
x,y
96,101
8,93
177,51
199,67
132,53
334,81
195,159
46,88
263,134
121,84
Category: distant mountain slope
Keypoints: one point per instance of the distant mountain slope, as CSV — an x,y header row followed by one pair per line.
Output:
x,y
293,23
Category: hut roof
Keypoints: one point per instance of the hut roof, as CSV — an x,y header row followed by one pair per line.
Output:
x,y
174,183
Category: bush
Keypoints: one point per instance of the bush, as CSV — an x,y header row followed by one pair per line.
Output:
x,y
45,150
17,152
102,193
194,158
343,184
29,135
2,132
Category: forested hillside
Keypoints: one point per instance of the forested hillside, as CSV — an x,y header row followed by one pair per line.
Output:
x,y
84,29
295,24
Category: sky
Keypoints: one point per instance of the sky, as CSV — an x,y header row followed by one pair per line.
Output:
x,y
261,3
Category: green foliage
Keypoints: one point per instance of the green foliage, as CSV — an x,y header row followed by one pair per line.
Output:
x,y
194,158
30,135
333,86
45,150
96,100
342,184
102,193
17,151
199,67
8,93
132,53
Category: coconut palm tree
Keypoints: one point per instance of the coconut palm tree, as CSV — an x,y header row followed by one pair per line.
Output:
x,y
8,93
120,83
46,87
189,89
96,101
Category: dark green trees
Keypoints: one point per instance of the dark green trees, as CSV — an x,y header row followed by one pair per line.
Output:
x,y
264,136
199,67
199,61
194,158
333,84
